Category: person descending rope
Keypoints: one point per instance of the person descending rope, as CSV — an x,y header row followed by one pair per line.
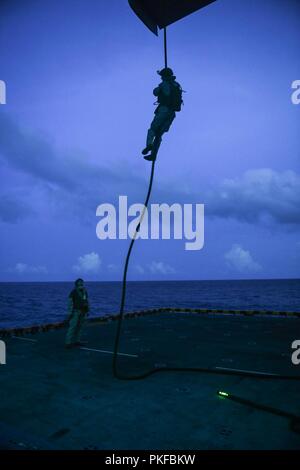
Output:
x,y
169,100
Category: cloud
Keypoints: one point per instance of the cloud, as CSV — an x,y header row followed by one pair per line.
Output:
x,y
241,260
88,264
261,195
155,267
22,268
35,155
31,154
159,267
113,268
72,185
66,184
12,210
139,269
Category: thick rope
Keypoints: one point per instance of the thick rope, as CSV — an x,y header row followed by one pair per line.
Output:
x,y
170,369
124,283
123,297
165,48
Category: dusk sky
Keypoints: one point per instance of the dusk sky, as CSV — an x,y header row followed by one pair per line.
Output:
x,y
79,77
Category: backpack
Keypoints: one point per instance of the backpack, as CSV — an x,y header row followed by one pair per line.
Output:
x,y
174,101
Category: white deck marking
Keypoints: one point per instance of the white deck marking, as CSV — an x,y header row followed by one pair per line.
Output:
x,y
108,352
247,371
25,339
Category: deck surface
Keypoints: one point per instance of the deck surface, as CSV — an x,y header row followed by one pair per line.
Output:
x,y
52,398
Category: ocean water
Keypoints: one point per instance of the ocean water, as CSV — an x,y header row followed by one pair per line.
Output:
x,y
39,303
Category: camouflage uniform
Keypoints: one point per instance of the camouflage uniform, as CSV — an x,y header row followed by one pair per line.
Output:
x,y
164,116
77,316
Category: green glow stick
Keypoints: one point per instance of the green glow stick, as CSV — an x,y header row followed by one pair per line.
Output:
x,y
223,394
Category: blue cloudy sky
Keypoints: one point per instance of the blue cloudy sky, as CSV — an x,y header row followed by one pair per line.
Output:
x,y
79,76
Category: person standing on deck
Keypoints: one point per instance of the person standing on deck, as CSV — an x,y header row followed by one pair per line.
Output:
x,y
169,100
78,311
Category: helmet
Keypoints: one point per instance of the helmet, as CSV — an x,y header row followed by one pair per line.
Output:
x,y
166,72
